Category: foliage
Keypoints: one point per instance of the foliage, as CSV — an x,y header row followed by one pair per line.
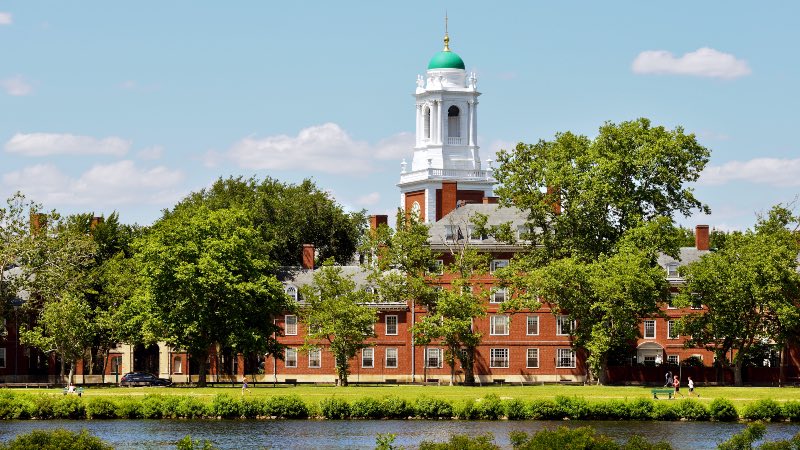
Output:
x,y
433,408
721,409
335,312
462,442
577,438
690,409
515,409
396,408
544,410
791,410
366,408
764,409
226,407
58,439
286,407
100,408
187,443
334,408
385,441
745,439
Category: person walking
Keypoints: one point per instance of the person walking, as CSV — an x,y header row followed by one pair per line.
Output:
x,y
691,387
668,379
676,383
244,385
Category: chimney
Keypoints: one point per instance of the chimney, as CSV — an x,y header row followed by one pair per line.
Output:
x,y
490,200
308,256
38,222
378,220
96,220
554,199
701,238
449,194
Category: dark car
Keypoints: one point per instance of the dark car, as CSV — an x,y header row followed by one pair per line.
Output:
x,y
143,379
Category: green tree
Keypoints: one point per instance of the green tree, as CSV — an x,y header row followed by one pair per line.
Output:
x,y
206,282
749,289
334,312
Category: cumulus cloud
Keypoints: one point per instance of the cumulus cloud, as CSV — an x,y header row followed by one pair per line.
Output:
x,y
5,18
149,153
369,199
770,171
322,148
703,62
48,144
113,184
16,86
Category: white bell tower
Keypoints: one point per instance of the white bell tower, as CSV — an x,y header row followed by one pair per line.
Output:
x,y
446,168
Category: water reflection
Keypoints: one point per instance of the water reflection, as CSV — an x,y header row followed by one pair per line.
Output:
x,y
358,434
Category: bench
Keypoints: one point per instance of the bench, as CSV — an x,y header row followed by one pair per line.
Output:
x,y
667,392
292,381
78,391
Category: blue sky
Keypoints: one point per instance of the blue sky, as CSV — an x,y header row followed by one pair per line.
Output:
x,y
128,106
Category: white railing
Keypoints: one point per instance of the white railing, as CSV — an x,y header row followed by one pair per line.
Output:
x,y
418,175
455,141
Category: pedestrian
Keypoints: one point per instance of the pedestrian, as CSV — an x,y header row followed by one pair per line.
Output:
x,y
691,387
668,379
244,384
676,383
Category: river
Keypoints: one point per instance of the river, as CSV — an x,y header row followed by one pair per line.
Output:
x,y
360,434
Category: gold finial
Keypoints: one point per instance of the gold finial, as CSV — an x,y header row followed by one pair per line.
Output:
x,y
446,37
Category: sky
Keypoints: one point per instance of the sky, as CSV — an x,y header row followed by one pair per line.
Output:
x,y
130,106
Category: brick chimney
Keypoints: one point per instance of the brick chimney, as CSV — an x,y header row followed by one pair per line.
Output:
x,y
701,237
378,220
308,256
552,195
96,220
449,194
38,222
490,200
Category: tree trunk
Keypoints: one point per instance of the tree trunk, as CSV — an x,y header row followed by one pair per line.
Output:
x,y
782,364
201,366
468,364
737,371
602,377
71,372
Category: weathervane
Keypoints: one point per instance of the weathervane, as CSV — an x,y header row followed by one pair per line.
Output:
x,y
446,37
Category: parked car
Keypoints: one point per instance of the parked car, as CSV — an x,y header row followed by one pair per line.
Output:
x,y
143,379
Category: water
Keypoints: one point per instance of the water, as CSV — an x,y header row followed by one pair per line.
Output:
x,y
358,434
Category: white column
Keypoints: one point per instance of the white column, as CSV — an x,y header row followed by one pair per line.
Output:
x,y
475,123
419,128
440,124
470,108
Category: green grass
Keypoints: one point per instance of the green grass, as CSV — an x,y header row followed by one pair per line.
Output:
x,y
740,396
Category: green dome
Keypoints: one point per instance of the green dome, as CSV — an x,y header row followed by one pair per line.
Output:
x,y
446,60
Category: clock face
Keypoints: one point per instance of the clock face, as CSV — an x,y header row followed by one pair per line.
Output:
x,y
415,208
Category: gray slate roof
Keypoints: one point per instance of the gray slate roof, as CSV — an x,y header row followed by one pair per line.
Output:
x,y
459,218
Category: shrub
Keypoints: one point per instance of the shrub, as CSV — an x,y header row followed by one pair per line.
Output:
x,y
791,410
43,407
465,410
764,409
226,407
641,409
665,411
151,406
490,407
692,410
69,407
366,408
433,408
544,410
188,444
191,408
129,408
251,408
610,410
396,408
745,438
170,407
562,437
100,408
287,407
572,407
58,439
462,442
334,408
515,409
722,410
22,407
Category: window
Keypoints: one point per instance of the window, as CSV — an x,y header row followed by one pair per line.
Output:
x,y
533,358
498,264
370,290
291,291
498,325
453,123
671,301
565,358
291,357
290,325
499,295
672,359
649,329
434,358
672,270
438,267
315,358
533,326
564,326
449,232
522,232
391,358
116,365
671,333
368,357
391,325
498,357
427,123
177,364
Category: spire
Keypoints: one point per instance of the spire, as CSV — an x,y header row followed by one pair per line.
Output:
x,y
446,37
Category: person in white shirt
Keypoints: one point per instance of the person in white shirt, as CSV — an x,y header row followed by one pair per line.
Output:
x,y
691,387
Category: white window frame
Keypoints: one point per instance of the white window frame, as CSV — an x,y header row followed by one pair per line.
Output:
x,y
291,291
528,358
290,329
671,334
561,321
673,359
312,359
672,270
650,322
528,330
391,350
499,358
177,365
437,352
495,291
396,324
290,360
364,358
439,267
498,264
499,325
565,354
671,302
450,232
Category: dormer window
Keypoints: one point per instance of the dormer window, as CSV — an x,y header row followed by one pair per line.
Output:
x,y
291,291
672,270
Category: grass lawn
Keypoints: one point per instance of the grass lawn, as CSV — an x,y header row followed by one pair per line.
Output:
x,y
738,395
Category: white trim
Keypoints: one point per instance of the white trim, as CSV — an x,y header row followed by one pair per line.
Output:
x,y
396,358
504,323
671,334
528,324
290,359
495,292
561,357
396,324
286,325
528,358
318,352
498,262
496,356
371,358
438,357
561,321
644,329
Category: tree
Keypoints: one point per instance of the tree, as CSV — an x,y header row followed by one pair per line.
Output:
x,y
206,282
64,327
335,312
749,289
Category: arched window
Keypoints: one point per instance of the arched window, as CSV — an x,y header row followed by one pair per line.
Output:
x,y
453,122
177,365
427,123
291,291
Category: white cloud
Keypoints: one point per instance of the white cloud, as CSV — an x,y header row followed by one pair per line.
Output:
x,y
150,153
5,18
47,144
703,62
113,184
369,199
770,171
321,148
16,86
